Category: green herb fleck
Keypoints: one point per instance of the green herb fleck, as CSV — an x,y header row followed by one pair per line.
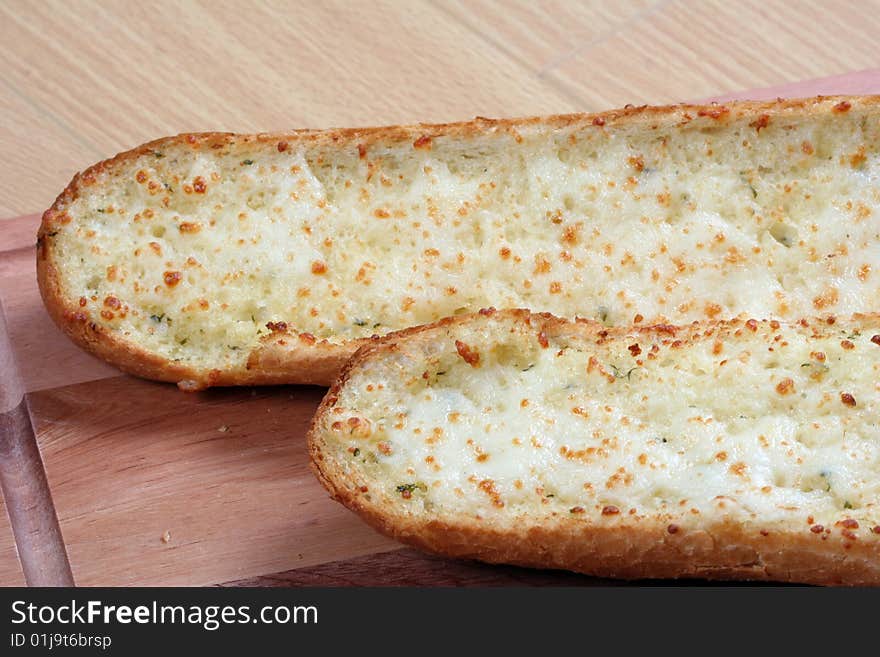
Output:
x,y
247,163
407,489
619,375
847,504
356,451
158,154
157,318
359,322
101,210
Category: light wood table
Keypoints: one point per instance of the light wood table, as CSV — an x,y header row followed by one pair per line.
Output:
x,y
80,81
154,487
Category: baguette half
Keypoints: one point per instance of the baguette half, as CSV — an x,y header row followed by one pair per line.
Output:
x,y
219,259
724,450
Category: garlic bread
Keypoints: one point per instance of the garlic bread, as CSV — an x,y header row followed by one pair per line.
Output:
x,y
218,259
727,450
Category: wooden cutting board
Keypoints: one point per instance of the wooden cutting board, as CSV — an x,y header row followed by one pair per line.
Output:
x,y
152,486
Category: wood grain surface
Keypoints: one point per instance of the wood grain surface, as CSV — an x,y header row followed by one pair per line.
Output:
x,y
80,81
408,567
191,489
152,486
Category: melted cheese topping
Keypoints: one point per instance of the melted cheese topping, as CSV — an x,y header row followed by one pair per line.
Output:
x,y
192,250
758,422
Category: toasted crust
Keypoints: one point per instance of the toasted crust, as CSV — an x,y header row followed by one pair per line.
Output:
x,y
621,546
278,359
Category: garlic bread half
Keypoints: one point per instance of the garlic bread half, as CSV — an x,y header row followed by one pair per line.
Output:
x,y
219,259
725,450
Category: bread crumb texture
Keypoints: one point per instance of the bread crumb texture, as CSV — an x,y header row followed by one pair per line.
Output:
x,y
577,429
193,247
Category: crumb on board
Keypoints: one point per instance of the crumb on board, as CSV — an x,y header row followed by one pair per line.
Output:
x,y
223,428
166,537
